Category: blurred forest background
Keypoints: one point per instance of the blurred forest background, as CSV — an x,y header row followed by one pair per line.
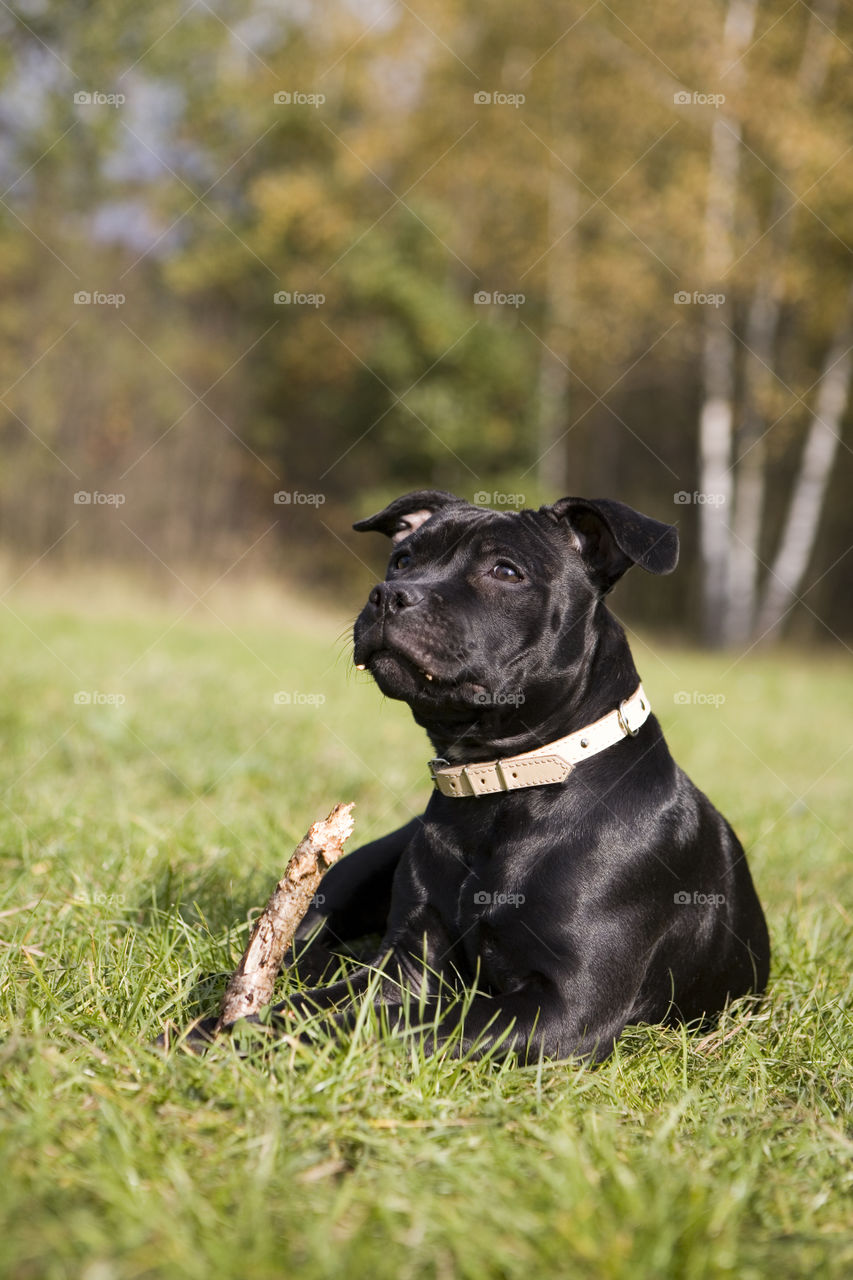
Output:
x,y
252,248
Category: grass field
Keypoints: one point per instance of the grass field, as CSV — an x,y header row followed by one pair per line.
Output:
x,y
138,835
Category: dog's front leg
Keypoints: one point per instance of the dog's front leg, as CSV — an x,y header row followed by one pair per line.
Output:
x,y
392,975
352,902
532,1021
282,1017
396,982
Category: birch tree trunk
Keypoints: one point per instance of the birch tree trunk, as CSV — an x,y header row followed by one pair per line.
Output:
x,y
749,467
554,377
718,354
762,330
801,523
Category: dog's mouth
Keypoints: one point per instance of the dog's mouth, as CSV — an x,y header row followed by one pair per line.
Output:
x,y
427,675
406,675
415,666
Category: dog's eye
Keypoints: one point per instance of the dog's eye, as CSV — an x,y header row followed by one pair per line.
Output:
x,y
506,572
403,560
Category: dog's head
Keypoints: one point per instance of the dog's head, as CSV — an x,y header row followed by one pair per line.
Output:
x,y
483,614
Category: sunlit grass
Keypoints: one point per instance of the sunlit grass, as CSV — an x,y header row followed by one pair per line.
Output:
x,y
138,836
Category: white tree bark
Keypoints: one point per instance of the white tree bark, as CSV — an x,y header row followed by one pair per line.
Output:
x,y
762,330
554,377
801,524
749,467
718,356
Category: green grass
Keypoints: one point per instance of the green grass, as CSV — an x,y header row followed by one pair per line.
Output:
x,y
137,838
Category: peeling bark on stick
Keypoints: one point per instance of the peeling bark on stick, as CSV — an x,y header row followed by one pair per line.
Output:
x,y
250,987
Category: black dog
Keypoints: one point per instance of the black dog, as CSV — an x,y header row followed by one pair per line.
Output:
x,y
579,890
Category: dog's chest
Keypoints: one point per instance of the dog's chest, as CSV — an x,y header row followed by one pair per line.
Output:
x,y
471,880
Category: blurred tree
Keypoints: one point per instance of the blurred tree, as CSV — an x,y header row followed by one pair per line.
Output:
x,y
383,168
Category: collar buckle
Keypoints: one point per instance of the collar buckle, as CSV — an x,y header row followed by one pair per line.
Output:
x,y
438,763
623,721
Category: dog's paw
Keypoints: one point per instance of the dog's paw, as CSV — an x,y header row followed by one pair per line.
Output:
x,y
197,1038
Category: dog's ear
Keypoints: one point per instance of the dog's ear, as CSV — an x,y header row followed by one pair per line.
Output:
x,y
611,537
402,516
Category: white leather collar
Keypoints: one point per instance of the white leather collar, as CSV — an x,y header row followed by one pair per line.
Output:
x,y
551,763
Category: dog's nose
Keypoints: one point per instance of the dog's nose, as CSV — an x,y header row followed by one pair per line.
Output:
x,y
394,598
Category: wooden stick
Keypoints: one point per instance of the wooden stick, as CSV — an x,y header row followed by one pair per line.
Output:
x,y
250,987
